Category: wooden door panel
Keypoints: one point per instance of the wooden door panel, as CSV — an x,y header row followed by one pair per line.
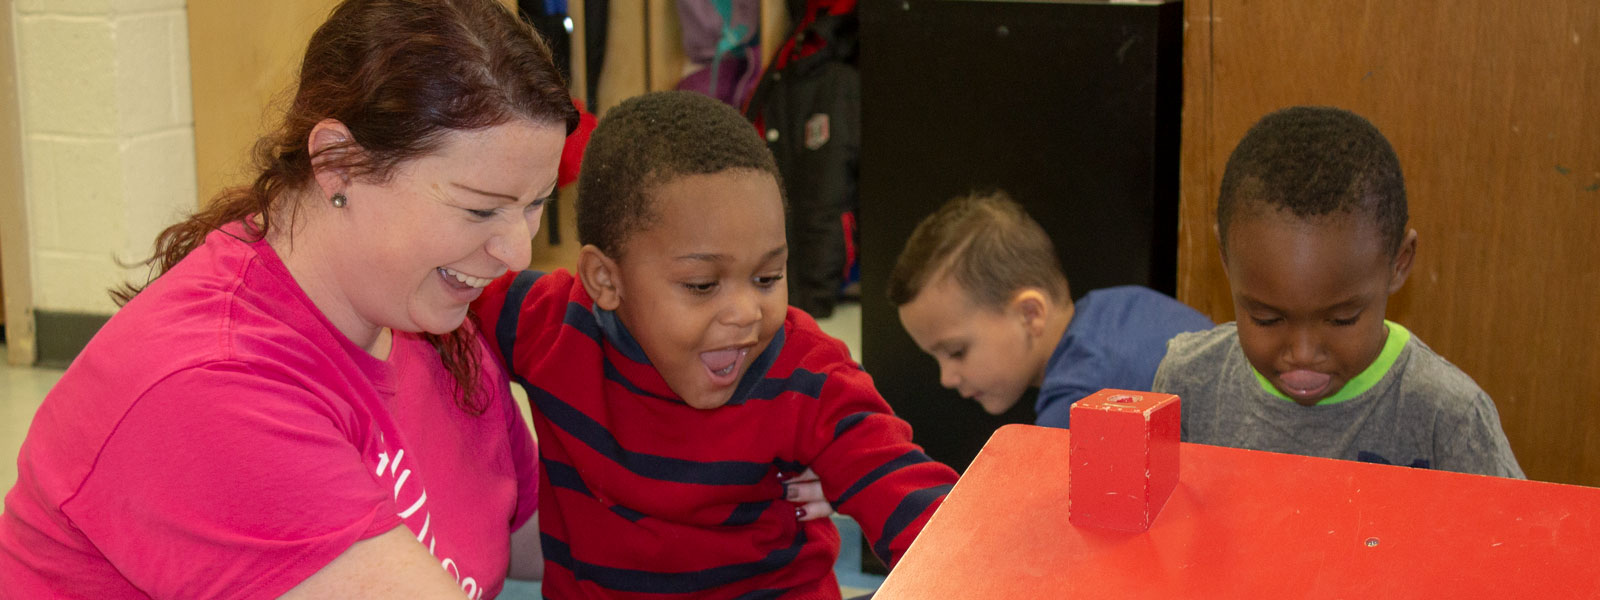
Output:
x,y
1491,107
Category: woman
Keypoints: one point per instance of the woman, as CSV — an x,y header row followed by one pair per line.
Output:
x,y
295,402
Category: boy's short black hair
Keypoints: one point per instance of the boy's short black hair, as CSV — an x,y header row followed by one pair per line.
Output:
x,y
1315,161
988,244
649,140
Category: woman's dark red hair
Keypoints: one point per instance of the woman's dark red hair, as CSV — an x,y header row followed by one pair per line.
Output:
x,y
399,74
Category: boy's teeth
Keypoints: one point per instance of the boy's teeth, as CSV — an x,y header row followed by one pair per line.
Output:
x,y
476,282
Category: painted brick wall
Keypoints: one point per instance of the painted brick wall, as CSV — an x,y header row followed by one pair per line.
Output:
x,y
108,139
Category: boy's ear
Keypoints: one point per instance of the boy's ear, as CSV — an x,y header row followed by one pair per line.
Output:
x,y
1403,259
600,277
329,143
1033,306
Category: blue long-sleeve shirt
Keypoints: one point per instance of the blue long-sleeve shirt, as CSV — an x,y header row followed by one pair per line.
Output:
x,y
1116,340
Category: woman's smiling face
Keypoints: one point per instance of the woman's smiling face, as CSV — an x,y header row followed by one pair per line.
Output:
x,y
423,243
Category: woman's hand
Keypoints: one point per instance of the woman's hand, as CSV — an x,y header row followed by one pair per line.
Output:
x,y
804,491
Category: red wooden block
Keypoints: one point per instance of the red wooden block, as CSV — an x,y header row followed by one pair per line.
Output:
x,y
1124,458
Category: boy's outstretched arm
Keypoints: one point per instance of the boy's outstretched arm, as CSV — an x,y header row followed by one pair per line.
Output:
x,y
869,467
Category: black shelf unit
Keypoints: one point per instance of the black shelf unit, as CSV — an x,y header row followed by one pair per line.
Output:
x,y
1071,107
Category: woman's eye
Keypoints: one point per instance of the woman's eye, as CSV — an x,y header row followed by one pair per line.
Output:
x,y
769,281
700,288
482,214
535,205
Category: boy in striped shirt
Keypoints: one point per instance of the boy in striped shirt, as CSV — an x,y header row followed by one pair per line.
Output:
x,y
673,387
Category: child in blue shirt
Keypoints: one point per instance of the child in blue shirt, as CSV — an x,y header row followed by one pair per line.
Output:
x,y
979,288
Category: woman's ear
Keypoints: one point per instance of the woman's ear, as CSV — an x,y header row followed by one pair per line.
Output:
x,y
329,144
600,277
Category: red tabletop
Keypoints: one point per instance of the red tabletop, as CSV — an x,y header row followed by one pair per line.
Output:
x,y
1248,524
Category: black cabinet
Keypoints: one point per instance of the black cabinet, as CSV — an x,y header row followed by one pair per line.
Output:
x,y
1071,107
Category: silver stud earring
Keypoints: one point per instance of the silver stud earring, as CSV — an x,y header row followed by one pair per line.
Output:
x,y
339,200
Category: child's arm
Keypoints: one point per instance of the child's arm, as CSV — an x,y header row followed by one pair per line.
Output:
x,y
869,467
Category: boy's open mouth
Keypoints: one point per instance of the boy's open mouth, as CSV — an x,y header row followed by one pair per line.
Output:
x,y
723,363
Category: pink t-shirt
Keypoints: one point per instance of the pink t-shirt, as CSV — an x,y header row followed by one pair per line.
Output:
x,y
219,438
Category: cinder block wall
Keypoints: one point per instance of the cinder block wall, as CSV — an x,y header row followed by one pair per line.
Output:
x,y
108,142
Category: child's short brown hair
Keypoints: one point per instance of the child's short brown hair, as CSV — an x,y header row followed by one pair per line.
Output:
x,y
652,139
988,243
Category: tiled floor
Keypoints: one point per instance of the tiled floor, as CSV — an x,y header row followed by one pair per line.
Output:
x,y
23,388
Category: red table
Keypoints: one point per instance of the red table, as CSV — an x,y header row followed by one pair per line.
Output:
x,y
1248,524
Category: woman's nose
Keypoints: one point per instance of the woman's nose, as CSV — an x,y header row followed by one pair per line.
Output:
x,y
513,245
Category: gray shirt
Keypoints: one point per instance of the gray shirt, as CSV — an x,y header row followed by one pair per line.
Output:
x,y
1424,412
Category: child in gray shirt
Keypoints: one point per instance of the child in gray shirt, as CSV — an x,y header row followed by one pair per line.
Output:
x,y
1312,223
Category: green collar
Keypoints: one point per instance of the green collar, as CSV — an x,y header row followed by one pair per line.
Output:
x,y
1397,337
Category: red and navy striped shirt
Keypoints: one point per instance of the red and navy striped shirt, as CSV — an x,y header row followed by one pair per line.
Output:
x,y
644,496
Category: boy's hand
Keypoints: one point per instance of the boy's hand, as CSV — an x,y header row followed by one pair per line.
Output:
x,y
805,492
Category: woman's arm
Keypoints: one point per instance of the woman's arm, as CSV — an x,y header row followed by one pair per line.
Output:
x,y
253,485
527,556
389,565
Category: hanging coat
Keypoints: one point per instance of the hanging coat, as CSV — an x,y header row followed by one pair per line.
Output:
x,y
808,108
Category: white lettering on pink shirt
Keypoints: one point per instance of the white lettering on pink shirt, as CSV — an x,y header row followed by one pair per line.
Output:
x,y
391,470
